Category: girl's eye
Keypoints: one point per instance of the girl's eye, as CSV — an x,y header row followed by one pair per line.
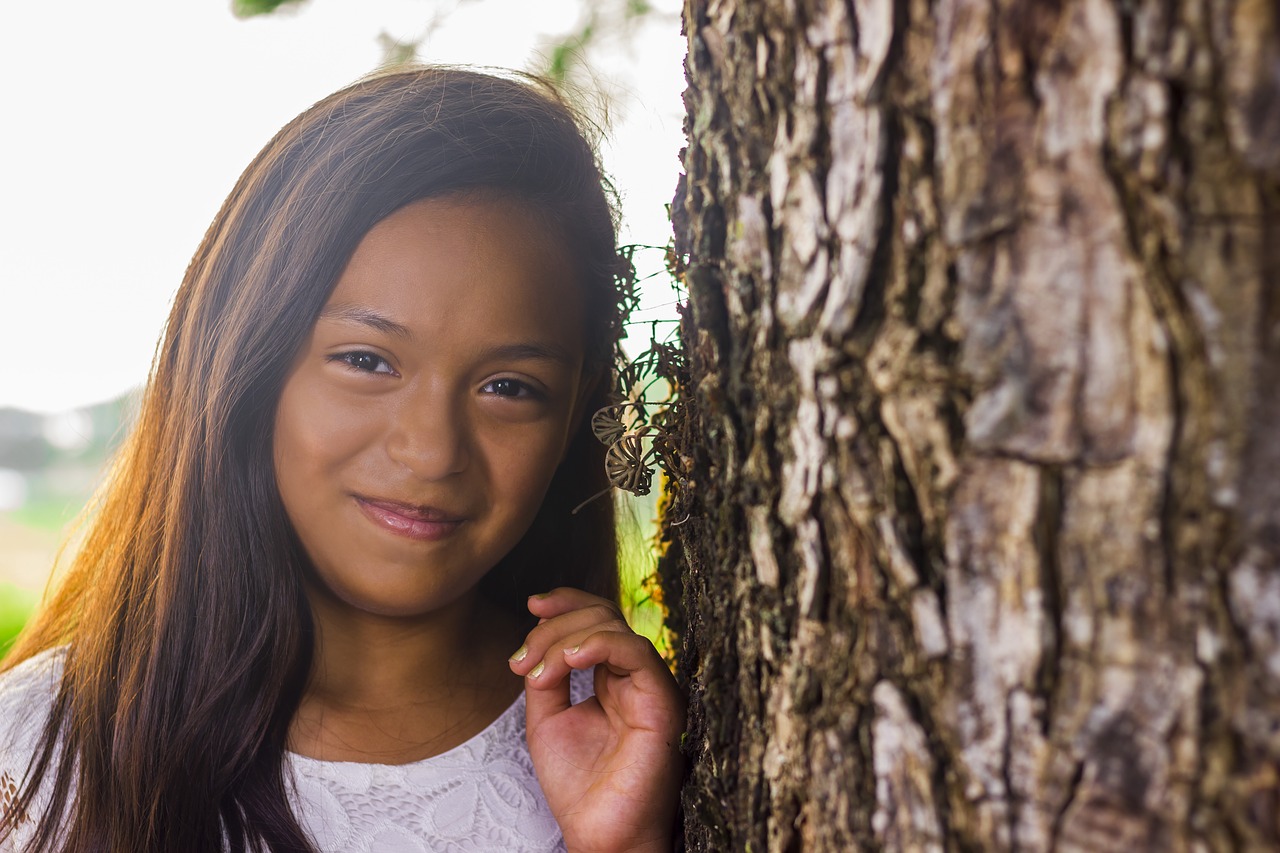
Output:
x,y
508,388
363,361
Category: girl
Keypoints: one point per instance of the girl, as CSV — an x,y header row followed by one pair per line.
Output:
x,y
346,500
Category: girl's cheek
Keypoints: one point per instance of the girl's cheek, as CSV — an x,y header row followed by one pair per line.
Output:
x,y
531,462
313,431
355,428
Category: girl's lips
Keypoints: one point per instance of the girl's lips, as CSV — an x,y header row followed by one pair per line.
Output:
x,y
414,522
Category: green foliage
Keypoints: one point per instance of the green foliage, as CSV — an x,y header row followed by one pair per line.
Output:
x,y
15,607
637,564
603,20
253,8
397,52
569,52
605,25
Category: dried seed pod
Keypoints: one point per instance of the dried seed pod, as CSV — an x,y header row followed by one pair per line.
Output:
x,y
606,424
627,464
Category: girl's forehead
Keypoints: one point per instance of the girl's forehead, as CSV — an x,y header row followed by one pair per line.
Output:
x,y
463,267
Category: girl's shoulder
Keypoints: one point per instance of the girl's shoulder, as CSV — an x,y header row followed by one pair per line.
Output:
x,y
26,697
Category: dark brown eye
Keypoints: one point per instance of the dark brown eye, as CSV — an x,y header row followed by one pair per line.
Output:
x,y
363,361
508,388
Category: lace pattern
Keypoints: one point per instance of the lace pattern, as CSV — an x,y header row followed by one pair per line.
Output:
x,y
480,796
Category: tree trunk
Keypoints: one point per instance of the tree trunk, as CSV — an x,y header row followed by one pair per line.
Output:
x,y
984,333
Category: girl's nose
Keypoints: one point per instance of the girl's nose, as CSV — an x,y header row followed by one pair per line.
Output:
x,y
430,437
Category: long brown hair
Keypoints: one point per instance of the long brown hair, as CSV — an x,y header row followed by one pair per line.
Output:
x,y
188,637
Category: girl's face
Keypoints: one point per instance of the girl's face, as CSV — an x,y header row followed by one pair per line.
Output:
x,y
422,422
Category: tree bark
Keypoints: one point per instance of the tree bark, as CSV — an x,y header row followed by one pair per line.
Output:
x,y
984,338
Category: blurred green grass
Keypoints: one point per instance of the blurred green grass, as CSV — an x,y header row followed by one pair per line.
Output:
x,y
50,514
16,605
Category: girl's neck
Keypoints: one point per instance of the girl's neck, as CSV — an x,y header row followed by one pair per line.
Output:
x,y
389,690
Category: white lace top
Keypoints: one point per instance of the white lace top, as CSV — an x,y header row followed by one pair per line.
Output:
x,y
479,796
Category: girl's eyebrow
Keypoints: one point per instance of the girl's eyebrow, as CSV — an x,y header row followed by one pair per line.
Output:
x,y
533,351
365,317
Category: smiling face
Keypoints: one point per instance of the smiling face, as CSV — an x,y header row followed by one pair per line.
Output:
x,y
424,418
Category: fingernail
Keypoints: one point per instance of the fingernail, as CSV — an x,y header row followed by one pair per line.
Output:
x,y
521,654
537,670
572,651
541,595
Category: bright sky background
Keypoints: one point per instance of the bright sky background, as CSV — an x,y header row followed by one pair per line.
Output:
x,y
126,123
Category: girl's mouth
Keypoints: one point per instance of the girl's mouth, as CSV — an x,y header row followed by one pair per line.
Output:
x,y
409,520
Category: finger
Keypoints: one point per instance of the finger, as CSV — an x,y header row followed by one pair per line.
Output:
x,y
553,633
564,599
627,655
545,695
551,665
542,657
650,699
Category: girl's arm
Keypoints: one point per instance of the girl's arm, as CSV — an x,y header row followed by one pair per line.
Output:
x,y
610,766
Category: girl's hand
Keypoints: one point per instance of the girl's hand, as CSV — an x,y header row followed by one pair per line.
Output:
x,y
610,766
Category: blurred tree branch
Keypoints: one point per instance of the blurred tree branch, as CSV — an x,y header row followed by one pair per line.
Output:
x,y
564,57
